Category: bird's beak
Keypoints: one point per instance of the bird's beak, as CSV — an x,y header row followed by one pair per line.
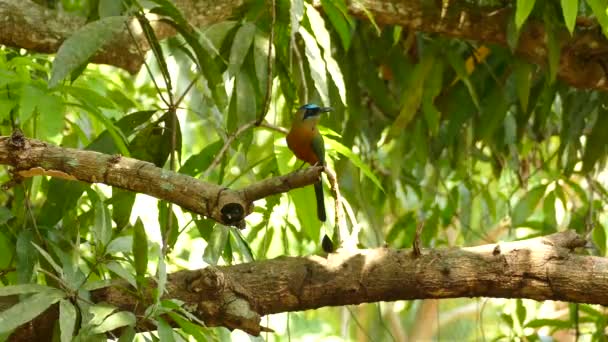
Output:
x,y
325,109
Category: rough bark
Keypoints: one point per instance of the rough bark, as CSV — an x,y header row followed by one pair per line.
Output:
x,y
30,157
544,268
582,61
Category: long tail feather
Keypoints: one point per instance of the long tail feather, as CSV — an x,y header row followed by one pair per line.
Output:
x,y
320,203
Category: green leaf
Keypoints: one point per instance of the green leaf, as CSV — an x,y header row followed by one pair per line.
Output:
x,y
199,162
109,8
570,10
26,256
82,45
48,258
522,11
102,229
597,142
50,123
316,64
165,332
28,309
240,46
114,321
67,320
523,81
245,98
119,270
324,40
11,290
196,331
459,66
216,245
521,311
121,244
140,251
348,153
553,46
557,323
599,238
29,101
122,204
598,7
337,12
527,204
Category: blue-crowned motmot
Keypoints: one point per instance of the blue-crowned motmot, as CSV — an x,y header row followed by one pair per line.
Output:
x,y
306,143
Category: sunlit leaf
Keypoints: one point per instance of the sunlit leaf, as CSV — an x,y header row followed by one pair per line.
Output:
x,y
570,11
523,8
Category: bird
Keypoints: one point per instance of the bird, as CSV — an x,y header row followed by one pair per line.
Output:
x,y
305,141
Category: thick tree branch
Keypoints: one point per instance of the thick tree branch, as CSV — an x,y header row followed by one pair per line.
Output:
x,y
544,268
583,56
31,157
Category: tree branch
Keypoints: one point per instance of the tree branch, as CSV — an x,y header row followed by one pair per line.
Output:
x,y
31,157
543,268
33,27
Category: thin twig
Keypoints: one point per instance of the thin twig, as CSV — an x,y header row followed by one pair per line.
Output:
x,y
230,139
344,240
269,66
183,95
227,144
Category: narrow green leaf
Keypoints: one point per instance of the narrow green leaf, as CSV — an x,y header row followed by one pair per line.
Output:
x,y
81,46
23,289
337,13
67,320
597,142
521,311
217,243
103,222
598,7
28,309
570,10
140,251
553,46
199,162
316,64
26,256
348,153
527,204
114,321
523,9
240,46
48,258
196,331
120,271
523,82
323,38
165,332
458,64
557,323
599,238
245,98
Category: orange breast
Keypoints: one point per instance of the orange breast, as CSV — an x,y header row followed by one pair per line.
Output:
x,y
299,141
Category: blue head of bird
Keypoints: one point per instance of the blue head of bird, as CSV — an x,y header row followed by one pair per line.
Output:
x,y
311,112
